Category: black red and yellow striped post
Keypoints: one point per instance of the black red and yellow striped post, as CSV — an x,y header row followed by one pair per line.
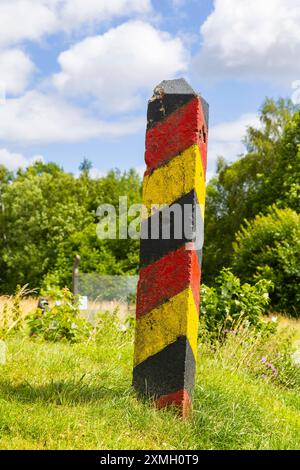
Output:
x,y
168,294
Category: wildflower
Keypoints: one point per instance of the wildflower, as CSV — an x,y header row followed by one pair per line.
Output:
x,y
271,366
274,370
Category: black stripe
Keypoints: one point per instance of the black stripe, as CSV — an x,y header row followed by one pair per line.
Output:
x,y
205,109
160,108
168,371
152,249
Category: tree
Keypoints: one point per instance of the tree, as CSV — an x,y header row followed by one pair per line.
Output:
x,y
268,173
269,248
48,216
85,166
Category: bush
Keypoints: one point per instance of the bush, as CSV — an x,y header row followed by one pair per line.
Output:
x,y
62,322
269,248
230,302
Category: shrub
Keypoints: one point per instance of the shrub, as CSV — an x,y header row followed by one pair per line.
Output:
x,y
230,302
61,322
269,248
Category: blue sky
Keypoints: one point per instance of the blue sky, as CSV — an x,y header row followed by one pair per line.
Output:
x,y
75,75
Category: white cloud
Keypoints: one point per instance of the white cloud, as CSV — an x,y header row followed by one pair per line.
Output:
x,y
22,20
13,161
140,170
38,118
25,20
225,139
74,13
32,20
251,39
16,69
116,66
209,175
96,173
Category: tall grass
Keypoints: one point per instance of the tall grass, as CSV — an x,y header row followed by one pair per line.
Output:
x,y
262,354
14,309
79,396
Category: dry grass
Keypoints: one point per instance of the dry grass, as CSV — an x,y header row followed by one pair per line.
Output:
x,y
292,323
26,305
14,309
122,308
62,396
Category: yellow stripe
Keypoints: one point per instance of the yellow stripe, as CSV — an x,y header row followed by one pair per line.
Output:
x,y
169,182
163,325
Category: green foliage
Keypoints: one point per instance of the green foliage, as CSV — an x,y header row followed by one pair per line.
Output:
x,y
269,247
62,396
230,303
268,173
85,166
47,216
61,322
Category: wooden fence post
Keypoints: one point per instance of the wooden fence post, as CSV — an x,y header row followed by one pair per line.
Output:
x,y
75,275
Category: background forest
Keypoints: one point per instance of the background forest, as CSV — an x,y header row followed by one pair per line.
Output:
x,y
252,217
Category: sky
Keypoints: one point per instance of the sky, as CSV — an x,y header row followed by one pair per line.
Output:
x,y
75,75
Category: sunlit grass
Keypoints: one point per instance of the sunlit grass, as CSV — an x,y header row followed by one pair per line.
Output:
x,y
60,396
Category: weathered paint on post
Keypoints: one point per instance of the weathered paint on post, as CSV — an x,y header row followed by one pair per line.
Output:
x,y
168,296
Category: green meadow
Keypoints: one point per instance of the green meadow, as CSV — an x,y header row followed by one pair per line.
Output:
x,y
64,396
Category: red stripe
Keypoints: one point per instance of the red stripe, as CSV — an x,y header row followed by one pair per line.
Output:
x,y
167,277
175,134
180,400
195,278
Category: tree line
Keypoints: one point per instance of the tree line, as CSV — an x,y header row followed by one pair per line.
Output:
x,y
252,216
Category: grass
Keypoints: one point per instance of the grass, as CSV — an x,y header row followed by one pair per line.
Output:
x,y
292,324
14,310
60,396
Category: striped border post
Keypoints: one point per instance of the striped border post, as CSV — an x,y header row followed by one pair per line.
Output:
x,y
170,266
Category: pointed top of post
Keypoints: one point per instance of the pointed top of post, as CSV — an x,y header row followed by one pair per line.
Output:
x,y
169,96
179,86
